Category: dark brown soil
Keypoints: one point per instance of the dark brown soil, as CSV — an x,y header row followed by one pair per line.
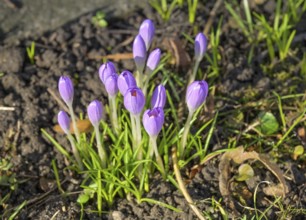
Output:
x,y
75,50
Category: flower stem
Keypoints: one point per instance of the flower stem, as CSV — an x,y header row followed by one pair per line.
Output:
x,y
75,151
101,150
159,160
75,128
194,72
139,79
138,137
185,134
113,113
133,127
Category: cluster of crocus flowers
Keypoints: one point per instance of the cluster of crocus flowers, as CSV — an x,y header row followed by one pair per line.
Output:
x,y
145,64
133,89
109,77
95,112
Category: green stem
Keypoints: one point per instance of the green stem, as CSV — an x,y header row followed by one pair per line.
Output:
x,y
133,127
185,134
113,113
139,79
138,137
75,128
159,160
75,151
194,71
101,151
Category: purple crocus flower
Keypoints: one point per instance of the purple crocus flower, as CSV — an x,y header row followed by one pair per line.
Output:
x,y
139,53
134,100
153,60
64,121
95,112
200,46
153,121
66,90
196,94
159,97
147,31
111,85
106,70
125,81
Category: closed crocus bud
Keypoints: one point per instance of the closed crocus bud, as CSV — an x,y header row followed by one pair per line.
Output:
x,y
147,31
95,112
153,60
159,97
153,121
139,53
66,90
63,121
196,94
134,100
111,85
106,70
125,81
200,46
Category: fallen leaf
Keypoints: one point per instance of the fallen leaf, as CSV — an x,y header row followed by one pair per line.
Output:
x,y
84,126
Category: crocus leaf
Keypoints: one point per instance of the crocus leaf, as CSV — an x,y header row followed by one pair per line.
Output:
x,y
268,123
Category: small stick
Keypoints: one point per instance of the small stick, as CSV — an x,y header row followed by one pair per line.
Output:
x,y
4,108
59,101
182,185
212,16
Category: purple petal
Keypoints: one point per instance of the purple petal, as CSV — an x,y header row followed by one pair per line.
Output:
x,y
64,121
153,121
111,85
200,46
66,90
106,70
134,100
126,81
95,112
147,31
159,97
153,60
139,53
196,94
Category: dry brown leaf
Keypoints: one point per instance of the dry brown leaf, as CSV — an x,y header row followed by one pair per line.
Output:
x,y
239,156
84,126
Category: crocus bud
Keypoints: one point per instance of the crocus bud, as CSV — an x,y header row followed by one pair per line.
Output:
x,y
63,121
196,94
139,53
106,70
125,81
95,112
153,121
147,31
111,85
66,90
200,46
153,60
134,100
159,97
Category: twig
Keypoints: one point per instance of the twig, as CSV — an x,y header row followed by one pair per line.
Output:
x,y
59,101
182,185
17,134
212,16
4,108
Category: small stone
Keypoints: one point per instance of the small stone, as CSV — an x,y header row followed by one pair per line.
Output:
x,y
11,60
